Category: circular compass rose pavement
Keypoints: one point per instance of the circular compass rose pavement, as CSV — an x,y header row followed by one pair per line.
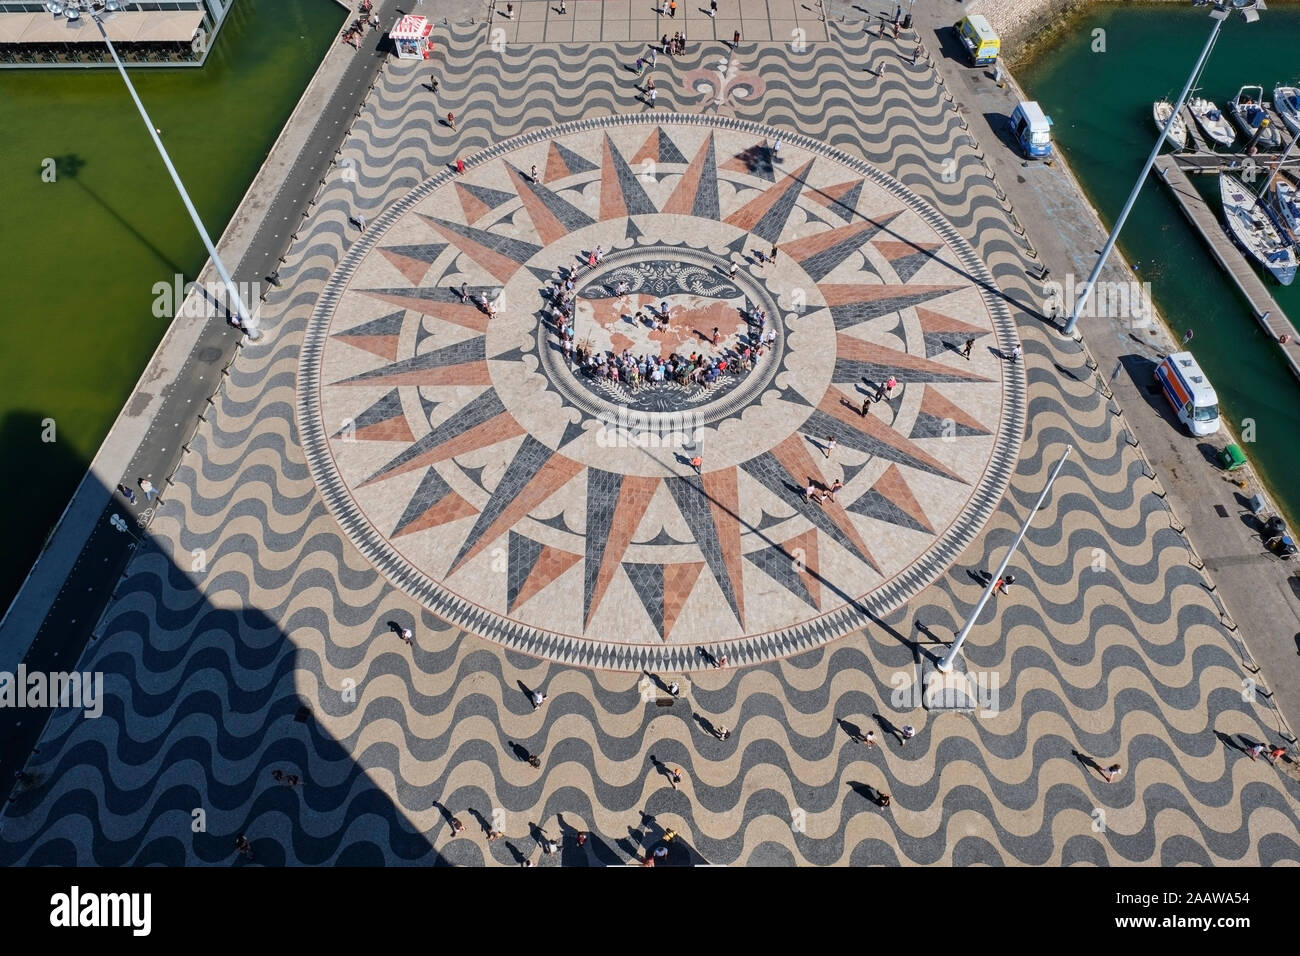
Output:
x,y
524,497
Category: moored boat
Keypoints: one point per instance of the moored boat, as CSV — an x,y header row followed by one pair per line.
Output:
x,y
1213,123
1286,103
1247,109
1177,131
1254,231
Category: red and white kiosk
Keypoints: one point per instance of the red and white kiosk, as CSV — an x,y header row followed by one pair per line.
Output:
x,y
412,38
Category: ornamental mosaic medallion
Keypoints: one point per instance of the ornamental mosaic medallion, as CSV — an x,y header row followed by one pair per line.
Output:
x,y
519,493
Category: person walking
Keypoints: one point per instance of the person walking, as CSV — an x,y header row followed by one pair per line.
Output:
x,y
1111,772
829,494
713,9
406,635
451,119
866,403
127,493
663,8
735,39
433,84
538,699
810,492
361,222
654,58
532,174
970,344
1254,750
1003,583
882,800
675,689
732,273
697,463
908,732
830,447
772,255
457,827
640,65
869,738
672,9
1015,353
651,95
243,847
464,293
721,662
722,733
675,777
563,9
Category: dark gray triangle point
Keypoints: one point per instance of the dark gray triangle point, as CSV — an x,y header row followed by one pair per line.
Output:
x,y
522,553
779,565
694,507
648,582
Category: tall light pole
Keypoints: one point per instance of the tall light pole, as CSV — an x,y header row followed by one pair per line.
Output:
x,y
245,321
945,665
1219,14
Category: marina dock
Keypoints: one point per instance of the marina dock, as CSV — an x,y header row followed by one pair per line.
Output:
x,y
1263,306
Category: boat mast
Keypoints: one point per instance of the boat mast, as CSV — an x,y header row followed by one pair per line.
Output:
x,y
1278,166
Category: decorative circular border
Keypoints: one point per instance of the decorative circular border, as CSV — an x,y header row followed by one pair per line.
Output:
x,y
585,652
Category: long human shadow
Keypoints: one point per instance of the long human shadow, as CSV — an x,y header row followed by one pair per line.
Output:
x,y
209,687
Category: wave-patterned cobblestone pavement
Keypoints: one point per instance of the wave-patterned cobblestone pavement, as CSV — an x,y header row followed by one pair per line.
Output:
x,y
250,604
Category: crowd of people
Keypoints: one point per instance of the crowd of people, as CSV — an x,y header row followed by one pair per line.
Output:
x,y
352,35
698,369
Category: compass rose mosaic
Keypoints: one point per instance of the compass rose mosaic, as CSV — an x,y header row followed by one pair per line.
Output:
x,y
638,403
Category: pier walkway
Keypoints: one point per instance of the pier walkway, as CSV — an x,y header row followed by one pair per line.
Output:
x,y
1262,304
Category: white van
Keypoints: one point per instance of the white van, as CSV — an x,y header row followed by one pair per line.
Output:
x,y
1190,392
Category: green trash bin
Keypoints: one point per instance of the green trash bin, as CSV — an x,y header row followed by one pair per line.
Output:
x,y
1232,457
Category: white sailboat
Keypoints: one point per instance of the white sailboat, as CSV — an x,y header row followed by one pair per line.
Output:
x,y
1177,132
1213,123
1286,202
1286,101
1251,226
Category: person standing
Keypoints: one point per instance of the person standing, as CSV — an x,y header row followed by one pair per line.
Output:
x,y
533,174
866,403
1015,353
772,256
735,39
1003,583
538,699
869,738
908,732
654,58
406,635
732,273
464,293
1111,772
697,463
970,344
675,689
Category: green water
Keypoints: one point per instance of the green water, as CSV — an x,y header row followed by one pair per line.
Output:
x,y
81,254
1101,104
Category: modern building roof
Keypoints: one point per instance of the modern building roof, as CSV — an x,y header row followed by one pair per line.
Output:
x,y
153,26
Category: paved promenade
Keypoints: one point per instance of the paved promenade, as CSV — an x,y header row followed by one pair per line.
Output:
x,y
281,652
